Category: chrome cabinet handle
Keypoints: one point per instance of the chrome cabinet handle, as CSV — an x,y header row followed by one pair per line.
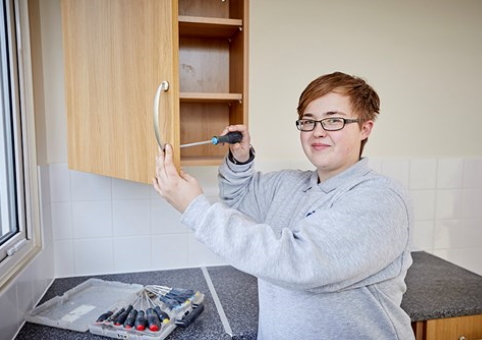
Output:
x,y
164,86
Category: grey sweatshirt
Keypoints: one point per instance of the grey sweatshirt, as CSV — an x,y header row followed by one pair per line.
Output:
x,y
330,258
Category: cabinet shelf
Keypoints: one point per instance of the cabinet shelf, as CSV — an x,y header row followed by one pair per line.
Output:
x,y
201,97
191,26
202,161
199,47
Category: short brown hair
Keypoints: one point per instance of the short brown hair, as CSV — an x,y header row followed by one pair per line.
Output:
x,y
363,98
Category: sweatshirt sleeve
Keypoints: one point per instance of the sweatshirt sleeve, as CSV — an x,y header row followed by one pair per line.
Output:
x,y
364,232
246,190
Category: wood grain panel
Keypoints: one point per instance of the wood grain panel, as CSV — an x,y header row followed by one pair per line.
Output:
x,y
116,53
469,327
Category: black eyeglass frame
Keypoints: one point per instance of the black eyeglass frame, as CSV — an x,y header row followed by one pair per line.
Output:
x,y
345,121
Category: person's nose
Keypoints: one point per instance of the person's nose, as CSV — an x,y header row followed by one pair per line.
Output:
x,y
319,131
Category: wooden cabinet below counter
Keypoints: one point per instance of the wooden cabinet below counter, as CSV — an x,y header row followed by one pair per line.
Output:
x,y
458,328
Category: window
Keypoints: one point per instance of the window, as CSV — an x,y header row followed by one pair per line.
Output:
x,y
17,177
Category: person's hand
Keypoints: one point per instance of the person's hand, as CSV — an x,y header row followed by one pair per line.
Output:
x,y
240,151
177,189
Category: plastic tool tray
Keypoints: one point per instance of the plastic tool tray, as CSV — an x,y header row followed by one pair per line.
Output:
x,y
119,310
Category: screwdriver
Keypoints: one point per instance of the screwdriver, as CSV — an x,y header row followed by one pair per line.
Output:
x,y
163,316
103,317
114,317
131,319
230,137
141,321
153,321
123,316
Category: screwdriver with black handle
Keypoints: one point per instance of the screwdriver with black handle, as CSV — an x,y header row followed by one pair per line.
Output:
x,y
153,322
131,319
230,138
105,316
123,316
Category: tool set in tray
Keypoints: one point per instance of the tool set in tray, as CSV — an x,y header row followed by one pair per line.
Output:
x,y
119,310
155,312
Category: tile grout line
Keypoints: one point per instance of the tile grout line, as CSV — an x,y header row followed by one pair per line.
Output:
x,y
217,302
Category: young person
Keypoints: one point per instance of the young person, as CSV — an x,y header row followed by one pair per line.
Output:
x,y
330,246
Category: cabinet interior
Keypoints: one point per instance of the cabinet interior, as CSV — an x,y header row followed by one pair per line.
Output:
x,y
212,74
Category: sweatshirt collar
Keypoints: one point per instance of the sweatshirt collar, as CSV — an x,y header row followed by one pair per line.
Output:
x,y
358,169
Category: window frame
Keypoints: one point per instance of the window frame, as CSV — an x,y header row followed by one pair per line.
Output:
x,y
22,249
13,146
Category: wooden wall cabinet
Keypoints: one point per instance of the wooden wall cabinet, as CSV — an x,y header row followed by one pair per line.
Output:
x,y
458,328
118,52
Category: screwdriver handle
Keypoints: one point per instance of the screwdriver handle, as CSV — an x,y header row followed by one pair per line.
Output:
x,y
153,322
103,317
131,319
189,318
123,316
163,316
141,321
230,137
114,317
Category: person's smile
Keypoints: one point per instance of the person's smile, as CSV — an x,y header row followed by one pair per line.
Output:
x,y
319,146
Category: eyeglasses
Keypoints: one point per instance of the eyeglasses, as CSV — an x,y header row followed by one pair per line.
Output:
x,y
328,124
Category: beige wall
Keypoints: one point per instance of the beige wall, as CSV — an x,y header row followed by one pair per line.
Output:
x,y
424,59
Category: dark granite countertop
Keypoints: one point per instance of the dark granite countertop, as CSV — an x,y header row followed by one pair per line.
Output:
x,y
435,289
439,289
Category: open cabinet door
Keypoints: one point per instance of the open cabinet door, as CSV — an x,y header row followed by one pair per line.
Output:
x,y
116,54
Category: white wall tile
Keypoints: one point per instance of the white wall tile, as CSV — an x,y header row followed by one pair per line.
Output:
x,y
422,235
108,215
45,205
59,183
457,234
206,175
10,318
375,163
472,202
272,165
213,198
211,191
94,256
165,219
398,168
64,258
92,219
472,173
423,204
62,220
131,217
132,254
25,291
449,173
200,255
302,164
423,173
448,204
90,187
122,189
468,258
169,251
43,271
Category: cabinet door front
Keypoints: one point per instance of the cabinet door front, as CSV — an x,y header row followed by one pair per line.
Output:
x,y
116,54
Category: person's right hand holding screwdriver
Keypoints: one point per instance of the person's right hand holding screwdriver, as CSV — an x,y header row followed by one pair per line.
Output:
x,y
241,150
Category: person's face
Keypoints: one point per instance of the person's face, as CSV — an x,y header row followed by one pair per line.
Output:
x,y
333,151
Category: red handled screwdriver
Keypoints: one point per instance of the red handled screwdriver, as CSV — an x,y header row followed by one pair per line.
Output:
x,y
153,322
230,138
141,321
104,317
123,316
131,319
